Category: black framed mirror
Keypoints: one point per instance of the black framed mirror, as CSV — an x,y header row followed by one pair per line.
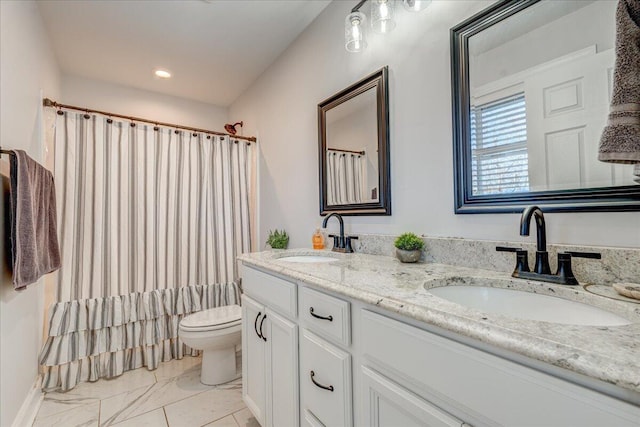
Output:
x,y
531,84
353,149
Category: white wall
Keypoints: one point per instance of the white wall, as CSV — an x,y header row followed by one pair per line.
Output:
x,y
128,101
27,65
280,108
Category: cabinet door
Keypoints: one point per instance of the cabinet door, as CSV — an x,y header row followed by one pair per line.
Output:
x,y
253,354
282,371
387,404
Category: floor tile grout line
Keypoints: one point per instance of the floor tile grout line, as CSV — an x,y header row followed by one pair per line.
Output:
x,y
170,403
65,410
134,400
166,419
235,420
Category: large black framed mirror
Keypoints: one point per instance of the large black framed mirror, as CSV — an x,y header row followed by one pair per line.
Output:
x,y
531,84
353,149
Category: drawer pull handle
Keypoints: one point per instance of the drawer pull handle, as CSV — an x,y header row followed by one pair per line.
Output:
x,y
255,325
330,388
329,318
261,325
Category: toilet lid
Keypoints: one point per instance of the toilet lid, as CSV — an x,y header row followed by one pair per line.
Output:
x,y
214,318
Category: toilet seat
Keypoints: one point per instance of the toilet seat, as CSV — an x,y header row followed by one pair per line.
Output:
x,y
213,319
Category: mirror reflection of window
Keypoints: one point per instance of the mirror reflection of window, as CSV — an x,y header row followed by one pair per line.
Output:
x,y
540,84
499,157
352,151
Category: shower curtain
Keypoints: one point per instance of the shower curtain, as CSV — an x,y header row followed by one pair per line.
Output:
x,y
150,220
345,178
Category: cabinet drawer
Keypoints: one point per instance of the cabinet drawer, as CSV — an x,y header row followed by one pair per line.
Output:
x,y
272,291
325,382
483,388
325,315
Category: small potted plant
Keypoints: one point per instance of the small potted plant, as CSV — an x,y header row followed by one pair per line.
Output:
x,y
278,239
409,247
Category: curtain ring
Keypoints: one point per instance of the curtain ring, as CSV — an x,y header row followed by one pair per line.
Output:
x,y
208,136
176,131
195,134
86,114
133,124
156,128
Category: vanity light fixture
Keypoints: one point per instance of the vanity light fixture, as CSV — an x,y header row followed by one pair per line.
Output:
x,y
354,32
382,22
415,5
382,16
163,74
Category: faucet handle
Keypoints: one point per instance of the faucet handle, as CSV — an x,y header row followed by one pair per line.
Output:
x,y
522,259
564,264
336,240
592,255
507,249
347,243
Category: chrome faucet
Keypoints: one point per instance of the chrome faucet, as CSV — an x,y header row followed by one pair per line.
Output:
x,y
340,243
542,271
542,256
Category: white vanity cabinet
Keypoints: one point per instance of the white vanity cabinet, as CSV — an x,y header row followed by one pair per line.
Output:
x,y
403,360
331,360
270,349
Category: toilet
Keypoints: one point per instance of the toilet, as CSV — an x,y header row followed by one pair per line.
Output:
x,y
216,332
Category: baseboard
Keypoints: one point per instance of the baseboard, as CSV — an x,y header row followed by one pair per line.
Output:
x,y
30,406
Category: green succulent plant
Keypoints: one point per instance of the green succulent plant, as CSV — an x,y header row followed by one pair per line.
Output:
x,y
409,242
278,239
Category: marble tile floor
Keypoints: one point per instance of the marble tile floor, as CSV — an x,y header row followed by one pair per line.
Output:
x,y
170,396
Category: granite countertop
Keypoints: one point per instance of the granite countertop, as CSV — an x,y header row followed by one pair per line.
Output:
x,y
606,353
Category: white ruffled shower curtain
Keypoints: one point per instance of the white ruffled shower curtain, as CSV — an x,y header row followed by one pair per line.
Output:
x,y
150,220
345,178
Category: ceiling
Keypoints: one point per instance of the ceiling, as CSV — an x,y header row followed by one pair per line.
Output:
x,y
531,18
215,49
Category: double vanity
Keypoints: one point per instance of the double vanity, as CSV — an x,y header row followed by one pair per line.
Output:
x,y
355,339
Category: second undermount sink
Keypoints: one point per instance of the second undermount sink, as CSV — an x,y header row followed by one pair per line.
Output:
x,y
527,305
308,259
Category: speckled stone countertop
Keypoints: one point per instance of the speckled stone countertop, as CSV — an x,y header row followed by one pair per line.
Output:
x,y
607,353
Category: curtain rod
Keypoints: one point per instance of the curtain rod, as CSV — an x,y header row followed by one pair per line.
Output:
x,y
347,151
50,103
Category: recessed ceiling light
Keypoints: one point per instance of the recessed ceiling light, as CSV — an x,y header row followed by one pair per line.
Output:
x,y
163,74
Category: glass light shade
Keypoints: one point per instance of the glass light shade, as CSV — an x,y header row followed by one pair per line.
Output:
x,y
382,16
354,37
415,5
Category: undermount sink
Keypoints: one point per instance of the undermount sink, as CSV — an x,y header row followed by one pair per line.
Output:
x,y
527,305
308,258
